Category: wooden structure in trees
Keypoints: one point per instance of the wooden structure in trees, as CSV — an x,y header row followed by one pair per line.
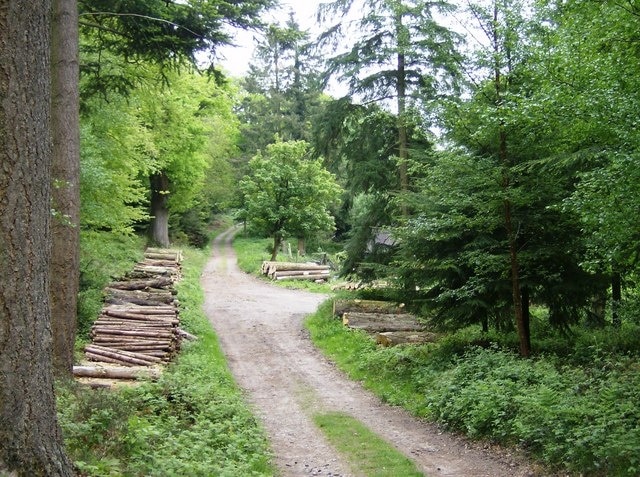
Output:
x,y
138,327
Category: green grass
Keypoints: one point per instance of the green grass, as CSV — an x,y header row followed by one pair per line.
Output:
x,y
251,252
192,421
103,257
576,410
366,453
388,372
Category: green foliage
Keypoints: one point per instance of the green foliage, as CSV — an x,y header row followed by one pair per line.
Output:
x,y
166,34
185,131
282,90
192,421
104,256
602,199
359,143
367,453
369,244
575,406
584,419
288,194
252,251
180,120
384,32
115,154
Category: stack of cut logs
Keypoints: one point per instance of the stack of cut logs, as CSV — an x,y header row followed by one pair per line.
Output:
x,y
138,325
388,321
295,271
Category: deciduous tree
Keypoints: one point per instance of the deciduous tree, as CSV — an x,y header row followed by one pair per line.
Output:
x,y
287,193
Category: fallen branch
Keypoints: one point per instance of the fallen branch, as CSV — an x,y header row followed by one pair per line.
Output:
x,y
186,335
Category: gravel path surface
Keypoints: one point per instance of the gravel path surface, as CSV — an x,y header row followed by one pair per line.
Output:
x,y
286,380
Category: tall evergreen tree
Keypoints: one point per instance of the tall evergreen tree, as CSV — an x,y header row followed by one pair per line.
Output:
x,y
282,87
490,233
400,52
65,225
31,440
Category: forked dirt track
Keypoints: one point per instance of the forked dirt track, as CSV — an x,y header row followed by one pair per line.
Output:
x,y
286,380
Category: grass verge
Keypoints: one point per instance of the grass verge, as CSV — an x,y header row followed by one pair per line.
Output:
x,y
365,451
251,252
575,410
192,421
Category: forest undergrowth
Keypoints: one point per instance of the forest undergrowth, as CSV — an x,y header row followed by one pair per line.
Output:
x,y
192,421
575,406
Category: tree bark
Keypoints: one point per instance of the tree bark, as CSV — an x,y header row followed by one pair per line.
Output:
x,y
379,322
277,242
312,276
395,338
403,141
159,283
65,231
521,324
116,373
159,209
30,438
366,306
616,298
140,297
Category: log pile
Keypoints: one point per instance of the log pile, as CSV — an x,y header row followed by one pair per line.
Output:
x,y
388,322
380,322
394,338
295,271
340,307
138,326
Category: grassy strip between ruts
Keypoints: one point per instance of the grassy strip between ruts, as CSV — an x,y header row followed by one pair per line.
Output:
x,y
365,451
192,421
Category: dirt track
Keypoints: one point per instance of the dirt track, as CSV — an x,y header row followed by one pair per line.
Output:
x,y
286,380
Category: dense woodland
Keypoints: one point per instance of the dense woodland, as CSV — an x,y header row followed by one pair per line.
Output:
x,y
483,167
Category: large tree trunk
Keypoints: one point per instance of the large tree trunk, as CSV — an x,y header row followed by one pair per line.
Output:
x,y
30,438
65,231
159,209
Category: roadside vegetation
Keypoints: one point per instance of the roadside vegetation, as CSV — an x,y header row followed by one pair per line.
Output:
x,y
365,451
511,231
574,406
252,251
192,421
